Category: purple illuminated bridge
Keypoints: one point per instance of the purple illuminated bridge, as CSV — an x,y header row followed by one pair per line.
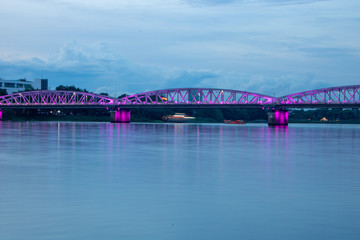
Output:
x,y
335,97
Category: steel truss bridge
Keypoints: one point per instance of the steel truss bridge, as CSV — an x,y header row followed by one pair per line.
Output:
x,y
334,97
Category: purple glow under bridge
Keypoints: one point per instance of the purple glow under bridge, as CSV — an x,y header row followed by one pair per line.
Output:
x,y
345,96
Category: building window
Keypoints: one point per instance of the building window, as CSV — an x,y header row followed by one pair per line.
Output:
x,y
0,84
10,85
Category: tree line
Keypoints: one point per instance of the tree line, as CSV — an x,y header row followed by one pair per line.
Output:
x,y
334,114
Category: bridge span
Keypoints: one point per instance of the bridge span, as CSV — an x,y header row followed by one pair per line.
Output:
x,y
334,97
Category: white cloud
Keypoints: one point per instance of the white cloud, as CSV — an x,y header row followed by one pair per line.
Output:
x,y
96,68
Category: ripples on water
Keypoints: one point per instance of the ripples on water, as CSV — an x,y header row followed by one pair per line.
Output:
x,y
178,181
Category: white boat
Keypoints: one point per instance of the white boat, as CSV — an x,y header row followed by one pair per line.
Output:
x,y
178,118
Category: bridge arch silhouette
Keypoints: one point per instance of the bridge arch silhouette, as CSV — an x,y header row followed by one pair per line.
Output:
x,y
343,96
197,96
50,98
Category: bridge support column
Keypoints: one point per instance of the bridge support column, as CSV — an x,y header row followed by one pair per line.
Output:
x,y
120,116
278,117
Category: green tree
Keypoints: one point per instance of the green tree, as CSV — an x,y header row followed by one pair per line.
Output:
x,y
211,113
70,88
123,95
3,92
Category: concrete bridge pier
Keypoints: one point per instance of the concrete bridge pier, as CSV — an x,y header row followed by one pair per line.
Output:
x,y
278,117
120,116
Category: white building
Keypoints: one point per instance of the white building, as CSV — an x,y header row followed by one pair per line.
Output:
x,y
12,86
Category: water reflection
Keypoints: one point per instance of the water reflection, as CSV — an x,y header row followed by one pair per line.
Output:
x,y
63,180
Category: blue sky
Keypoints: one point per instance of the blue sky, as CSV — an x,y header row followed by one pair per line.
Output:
x,y
272,47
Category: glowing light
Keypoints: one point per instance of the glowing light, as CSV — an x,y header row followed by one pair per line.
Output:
x,y
122,116
280,117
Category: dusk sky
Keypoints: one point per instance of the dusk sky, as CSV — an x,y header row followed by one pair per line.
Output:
x,y
273,47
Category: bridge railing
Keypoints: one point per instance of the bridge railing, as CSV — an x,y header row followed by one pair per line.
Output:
x,y
346,95
196,96
335,95
55,98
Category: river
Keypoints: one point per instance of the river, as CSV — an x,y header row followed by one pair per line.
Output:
x,y
67,180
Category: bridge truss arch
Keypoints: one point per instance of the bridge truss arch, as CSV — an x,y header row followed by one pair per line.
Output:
x,y
343,95
54,97
196,96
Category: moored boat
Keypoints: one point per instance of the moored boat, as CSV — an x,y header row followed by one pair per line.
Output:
x,y
234,121
178,118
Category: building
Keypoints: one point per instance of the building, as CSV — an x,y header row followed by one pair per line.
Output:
x,y
12,86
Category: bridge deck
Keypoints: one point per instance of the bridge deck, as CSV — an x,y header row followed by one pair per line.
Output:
x,y
335,97
177,106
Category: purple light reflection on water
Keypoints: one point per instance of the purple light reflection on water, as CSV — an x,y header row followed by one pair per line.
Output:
x,y
178,181
281,117
122,116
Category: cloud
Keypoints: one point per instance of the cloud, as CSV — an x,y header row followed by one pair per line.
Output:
x,y
209,2
96,68
288,2
264,2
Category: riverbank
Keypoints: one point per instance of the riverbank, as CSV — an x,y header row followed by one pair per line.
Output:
x,y
102,118
90,118
326,122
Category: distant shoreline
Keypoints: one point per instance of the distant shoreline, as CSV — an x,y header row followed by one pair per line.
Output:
x,y
107,119
328,122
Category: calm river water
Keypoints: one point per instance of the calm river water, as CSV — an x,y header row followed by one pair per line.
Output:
x,y
178,181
